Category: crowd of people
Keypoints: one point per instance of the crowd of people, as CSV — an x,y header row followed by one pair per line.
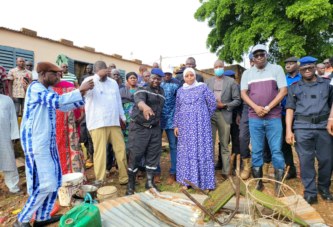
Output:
x,y
121,123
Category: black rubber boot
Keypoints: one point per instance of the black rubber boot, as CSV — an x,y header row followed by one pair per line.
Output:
x,y
150,180
278,173
131,183
257,173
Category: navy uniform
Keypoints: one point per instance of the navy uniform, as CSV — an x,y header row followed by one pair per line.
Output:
x,y
145,137
311,102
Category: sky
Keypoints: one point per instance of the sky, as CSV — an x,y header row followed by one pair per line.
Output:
x,y
135,29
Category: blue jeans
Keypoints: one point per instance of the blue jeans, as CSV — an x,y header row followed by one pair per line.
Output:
x,y
173,152
272,130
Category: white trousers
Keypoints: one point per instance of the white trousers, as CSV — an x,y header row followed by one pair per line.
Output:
x,y
12,180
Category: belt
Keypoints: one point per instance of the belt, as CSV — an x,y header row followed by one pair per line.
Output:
x,y
312,119
146,125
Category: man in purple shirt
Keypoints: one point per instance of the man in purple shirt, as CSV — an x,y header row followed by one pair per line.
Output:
x,y
262,88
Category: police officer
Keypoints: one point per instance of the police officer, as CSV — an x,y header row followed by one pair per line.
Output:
x,y
145,138
308,104
292,76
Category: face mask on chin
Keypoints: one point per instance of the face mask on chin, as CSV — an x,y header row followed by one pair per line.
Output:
x,y
219,71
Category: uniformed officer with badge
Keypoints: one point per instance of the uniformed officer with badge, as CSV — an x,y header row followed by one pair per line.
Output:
x,y
308,106
145,137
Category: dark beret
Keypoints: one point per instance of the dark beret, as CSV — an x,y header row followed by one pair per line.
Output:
x,y
47,67
291,59
307,60
157,71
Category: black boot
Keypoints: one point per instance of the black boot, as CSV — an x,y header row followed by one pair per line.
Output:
x,y
219,165
257,173
131,183
278,173
150,180
20,224
291,173
53,219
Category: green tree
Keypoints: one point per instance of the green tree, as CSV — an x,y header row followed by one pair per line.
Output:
x,y
291,27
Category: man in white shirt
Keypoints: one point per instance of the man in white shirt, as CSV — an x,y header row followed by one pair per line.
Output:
x,y
104,112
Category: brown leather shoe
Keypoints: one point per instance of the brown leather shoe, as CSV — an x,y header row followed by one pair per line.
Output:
x,y
157,179
171,179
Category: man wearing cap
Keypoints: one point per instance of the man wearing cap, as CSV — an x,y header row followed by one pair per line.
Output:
x,y
308,107
170,86
104,113
38,139
262,88
244,142
292,76
144,139
227,97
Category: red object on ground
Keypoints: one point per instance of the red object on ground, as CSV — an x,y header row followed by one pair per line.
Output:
x,y
55,210
3,219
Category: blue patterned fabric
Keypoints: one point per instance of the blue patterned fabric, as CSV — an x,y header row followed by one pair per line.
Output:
x,y
195,156
38,139
170,92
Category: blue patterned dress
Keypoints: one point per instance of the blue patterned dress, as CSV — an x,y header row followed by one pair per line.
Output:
x,y
195,156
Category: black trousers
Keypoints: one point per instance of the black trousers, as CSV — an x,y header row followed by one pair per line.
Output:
x,y
314,144
86,139
144,142
234,134
244,138
286,148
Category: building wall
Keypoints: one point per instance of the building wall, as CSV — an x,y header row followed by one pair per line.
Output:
x,y
48,50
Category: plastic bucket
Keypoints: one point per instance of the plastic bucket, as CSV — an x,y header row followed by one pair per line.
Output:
x,y
107,192
70,184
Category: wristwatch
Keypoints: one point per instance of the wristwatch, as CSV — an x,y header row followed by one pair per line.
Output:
x,y
267,108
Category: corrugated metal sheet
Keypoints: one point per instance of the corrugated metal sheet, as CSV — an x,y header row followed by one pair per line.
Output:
x,y
141,210
132,211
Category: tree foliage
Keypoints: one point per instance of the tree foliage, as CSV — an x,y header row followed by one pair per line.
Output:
x,y
291,27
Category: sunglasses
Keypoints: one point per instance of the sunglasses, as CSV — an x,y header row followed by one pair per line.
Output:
x,y
29,65
262,55
307,68
115,74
